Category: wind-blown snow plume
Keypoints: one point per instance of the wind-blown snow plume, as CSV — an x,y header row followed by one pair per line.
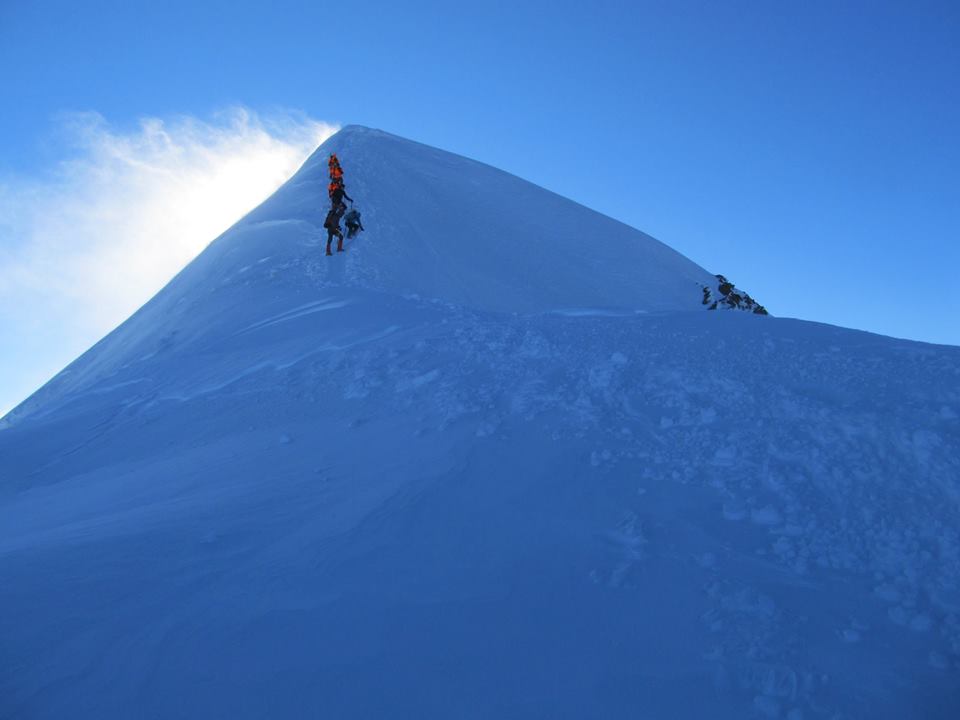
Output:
x,y
83,247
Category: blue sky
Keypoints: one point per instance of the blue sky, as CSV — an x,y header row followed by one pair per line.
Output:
x,y
809,151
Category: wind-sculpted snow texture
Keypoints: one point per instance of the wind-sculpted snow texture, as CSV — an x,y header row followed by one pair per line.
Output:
x,y
417,482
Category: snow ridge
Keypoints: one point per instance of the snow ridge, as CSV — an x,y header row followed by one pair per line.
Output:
x,y
417,482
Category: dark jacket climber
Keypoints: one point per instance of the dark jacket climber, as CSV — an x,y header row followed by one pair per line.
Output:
x,y
338,195
332,224
352,221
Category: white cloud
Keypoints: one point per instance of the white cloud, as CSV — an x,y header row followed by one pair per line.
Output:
x,y
84,246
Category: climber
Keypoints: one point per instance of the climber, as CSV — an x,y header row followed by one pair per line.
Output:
x,y
332,224
337,194
352,221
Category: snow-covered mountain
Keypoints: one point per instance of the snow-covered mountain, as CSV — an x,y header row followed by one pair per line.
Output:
x,y
496,460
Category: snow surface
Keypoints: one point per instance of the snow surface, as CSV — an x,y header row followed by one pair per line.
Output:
x,y
493,461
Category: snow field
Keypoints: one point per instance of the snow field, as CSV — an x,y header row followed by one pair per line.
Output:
x,y
411,482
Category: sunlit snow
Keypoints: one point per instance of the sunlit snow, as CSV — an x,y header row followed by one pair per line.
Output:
x,y
496,460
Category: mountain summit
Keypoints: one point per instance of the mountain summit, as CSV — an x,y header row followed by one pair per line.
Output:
x,y
440,226
443,226
496,460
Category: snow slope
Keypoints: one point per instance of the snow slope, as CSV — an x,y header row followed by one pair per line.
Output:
x,y
438,226
417,480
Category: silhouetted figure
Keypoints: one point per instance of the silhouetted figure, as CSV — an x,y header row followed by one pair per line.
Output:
x,y
332,224
352,221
